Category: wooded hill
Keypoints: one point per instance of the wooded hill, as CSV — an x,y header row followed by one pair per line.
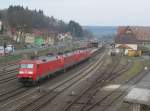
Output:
x,y
16,17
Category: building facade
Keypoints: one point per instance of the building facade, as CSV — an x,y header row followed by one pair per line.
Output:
x,y
30,38
133,38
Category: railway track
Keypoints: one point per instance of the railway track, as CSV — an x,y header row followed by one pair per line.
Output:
x,y
88,105
92,90
121,95
8,79
55,88
97,103
6,95
7,72
105,101
4,66
8,76
60,88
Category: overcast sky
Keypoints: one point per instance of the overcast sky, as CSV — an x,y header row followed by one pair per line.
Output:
x,y
91,12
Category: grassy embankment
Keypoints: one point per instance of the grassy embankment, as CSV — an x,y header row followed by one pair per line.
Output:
x,y
136,68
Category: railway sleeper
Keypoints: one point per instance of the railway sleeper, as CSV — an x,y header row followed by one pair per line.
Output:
x,y
80,102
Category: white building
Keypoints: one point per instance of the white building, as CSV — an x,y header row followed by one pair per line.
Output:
x,y
29,38
126,41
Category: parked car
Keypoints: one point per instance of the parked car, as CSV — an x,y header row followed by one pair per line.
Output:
x,y
8,50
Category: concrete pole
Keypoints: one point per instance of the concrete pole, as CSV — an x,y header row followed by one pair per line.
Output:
x,y
135,107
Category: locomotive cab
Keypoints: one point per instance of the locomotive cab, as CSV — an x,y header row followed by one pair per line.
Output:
x,y
26,69
26,72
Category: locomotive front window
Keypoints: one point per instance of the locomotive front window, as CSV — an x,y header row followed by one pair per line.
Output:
x,y
30,66
23,66
26,66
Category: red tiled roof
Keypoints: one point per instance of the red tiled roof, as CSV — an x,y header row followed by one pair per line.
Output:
x,y
140,33
123,46
125,36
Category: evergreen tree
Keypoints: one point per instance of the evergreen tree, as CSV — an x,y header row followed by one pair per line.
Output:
x,y
20,18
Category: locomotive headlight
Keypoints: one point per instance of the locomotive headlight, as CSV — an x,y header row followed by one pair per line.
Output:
x,y
21,72
30,72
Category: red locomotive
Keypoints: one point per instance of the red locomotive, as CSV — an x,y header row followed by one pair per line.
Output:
x,y
36,69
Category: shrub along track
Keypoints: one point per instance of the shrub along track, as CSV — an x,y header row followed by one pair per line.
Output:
x,y
10,95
